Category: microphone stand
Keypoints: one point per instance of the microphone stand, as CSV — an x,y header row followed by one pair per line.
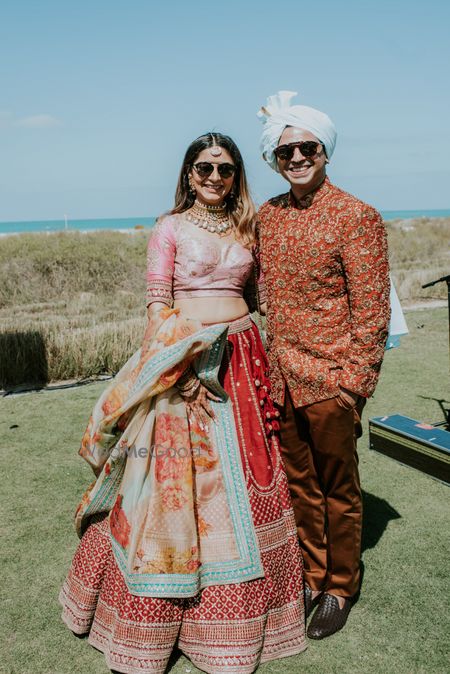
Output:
x,y
443,279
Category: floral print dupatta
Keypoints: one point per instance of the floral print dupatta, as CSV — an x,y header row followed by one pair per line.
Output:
x,y
175,493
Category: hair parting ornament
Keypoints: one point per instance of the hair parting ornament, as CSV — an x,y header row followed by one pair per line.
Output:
x,y
215,149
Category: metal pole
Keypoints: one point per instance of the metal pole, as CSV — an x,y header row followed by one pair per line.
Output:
x,y
448,301
432,283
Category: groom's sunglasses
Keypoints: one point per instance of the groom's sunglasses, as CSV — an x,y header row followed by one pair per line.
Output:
x,y
308,148
205,168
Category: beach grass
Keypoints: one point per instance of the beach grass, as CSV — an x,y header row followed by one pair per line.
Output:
x,y
400,624
419,252
72,303
41,267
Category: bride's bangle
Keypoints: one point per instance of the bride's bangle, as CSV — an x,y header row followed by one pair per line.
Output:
x,y
188,383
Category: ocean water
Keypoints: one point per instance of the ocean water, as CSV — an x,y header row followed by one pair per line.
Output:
x,y
130,224
80,225
405,215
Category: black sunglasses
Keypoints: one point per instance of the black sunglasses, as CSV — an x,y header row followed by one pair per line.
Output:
x,y
205,168
308,148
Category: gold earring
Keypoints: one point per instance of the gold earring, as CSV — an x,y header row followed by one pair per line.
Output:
x,y
192,189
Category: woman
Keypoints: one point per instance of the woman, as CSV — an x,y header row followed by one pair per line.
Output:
x,y
198,548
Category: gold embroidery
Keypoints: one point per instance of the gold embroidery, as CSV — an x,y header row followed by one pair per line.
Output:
x,y
326,272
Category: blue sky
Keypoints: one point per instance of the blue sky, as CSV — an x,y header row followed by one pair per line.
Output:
x,y
99,99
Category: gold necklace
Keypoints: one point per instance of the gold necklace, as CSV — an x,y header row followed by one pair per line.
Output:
x,y
214,219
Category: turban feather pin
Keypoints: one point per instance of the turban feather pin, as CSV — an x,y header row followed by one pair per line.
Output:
x,y
278,113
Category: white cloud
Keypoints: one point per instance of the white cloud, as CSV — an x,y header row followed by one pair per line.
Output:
x,y
43,121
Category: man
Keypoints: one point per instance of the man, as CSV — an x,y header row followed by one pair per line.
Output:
x,y
324,257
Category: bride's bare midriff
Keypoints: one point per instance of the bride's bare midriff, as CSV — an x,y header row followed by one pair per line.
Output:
x,y
213,309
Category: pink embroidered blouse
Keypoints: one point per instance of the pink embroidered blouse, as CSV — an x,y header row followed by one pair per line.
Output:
x,y
184,261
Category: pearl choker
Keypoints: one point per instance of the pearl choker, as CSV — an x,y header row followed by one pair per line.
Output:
x,y
212,218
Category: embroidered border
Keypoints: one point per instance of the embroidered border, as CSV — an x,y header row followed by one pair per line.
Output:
x,y
159,291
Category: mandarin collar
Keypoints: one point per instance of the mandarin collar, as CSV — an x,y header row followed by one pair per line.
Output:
x,y
312,198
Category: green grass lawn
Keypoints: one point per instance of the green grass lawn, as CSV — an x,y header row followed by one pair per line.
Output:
x,y
399,625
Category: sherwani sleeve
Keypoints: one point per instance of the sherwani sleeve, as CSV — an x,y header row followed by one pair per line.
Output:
x,y
255,288
161,252
365,262
260,280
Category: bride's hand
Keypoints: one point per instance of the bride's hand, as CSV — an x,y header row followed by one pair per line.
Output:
x,y
199,405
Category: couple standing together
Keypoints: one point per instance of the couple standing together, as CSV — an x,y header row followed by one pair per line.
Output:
x,y
242,469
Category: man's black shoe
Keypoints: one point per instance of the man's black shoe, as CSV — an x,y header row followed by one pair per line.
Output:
x,y
328,618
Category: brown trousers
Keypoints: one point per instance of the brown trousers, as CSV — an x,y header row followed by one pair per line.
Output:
x,y
319,451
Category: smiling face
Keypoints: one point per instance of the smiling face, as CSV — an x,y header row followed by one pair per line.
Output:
x,y
303,173
213,189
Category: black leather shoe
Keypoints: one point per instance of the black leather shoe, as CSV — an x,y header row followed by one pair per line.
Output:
x,y
310,603
328,618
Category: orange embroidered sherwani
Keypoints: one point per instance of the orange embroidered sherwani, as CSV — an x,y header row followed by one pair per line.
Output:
x,y
326,271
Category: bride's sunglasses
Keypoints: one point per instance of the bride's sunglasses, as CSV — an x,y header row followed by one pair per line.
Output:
x,y
205,168
308,148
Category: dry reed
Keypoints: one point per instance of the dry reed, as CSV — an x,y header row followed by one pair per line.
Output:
x,y
419,253
71,304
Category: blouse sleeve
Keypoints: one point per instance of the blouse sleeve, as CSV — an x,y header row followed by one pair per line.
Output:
x,y
161,251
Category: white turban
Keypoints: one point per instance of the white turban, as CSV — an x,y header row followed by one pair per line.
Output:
x,y
278,113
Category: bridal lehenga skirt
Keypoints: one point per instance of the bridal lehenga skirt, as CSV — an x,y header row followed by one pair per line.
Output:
x,y
230,627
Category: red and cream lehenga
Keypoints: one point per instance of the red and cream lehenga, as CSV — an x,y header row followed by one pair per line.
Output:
x,y
187,535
